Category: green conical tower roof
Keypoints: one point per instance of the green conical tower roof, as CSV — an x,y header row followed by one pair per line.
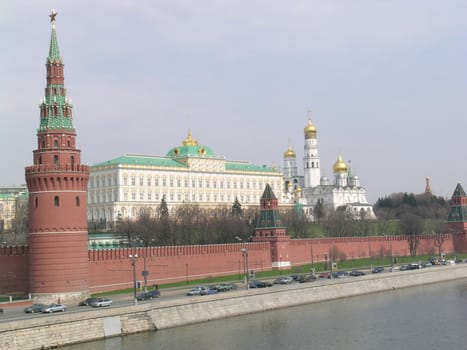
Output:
x,y
56,109
269,216
458,210
268,193
54,51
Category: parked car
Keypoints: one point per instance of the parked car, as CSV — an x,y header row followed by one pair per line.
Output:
x,y
414,266
53,308
378,269
195,291
324,275
450,262
394,268
208,291
100,302
341,274
87,302
356,273
32,309
259,284
307,278
225,287
404,267
284,280
151,294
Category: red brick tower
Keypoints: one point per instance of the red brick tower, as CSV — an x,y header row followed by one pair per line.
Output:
x,y
457,219
269,228
57,183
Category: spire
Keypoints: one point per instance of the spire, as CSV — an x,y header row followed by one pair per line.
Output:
x,y
427,187
54,52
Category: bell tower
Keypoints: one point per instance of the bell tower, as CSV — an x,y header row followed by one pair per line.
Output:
x,y
57,184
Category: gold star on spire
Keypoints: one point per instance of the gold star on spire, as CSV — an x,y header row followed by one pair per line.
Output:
x,y
52,17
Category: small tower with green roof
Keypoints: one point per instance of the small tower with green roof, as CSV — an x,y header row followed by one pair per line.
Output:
x,y
57,184
457,218
269,228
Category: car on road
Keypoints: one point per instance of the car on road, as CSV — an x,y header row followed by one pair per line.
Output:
x,y
307,278
378,269
53,308
101,302
283,280
259,284
224,287
209,291
87,302
341,274
324,275
151,294
414,266
195,291
32,309
394,268
356,273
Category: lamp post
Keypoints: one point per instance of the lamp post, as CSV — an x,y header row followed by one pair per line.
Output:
x,y
133,263
245,260
245,265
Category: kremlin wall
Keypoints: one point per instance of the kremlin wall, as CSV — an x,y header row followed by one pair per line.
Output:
x,y
112,269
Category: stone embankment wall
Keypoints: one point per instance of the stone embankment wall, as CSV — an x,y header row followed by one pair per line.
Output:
x,y
58,330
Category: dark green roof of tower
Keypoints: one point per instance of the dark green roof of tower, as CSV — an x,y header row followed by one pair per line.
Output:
x,y
54,51
459,191
268,193
269,219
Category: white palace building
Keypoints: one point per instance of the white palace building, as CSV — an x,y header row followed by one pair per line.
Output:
x,y
124,187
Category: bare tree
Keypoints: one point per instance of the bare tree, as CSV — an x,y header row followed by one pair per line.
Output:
x,y
412,226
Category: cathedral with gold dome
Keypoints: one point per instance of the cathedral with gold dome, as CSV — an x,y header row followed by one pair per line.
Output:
x,y
311,189
190,173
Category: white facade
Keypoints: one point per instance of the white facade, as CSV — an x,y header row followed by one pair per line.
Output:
x,y
345,190
189,174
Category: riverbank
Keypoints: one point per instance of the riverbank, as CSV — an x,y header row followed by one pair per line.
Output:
x,y
59,330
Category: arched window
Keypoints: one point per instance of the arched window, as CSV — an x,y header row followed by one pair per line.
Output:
x,y
56,160
55,143
36,202
77,201
56,201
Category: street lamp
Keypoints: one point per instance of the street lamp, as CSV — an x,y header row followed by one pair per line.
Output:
x,y
133,263
245,265
245,260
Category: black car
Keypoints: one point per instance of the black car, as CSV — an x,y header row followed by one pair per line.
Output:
x,y
356,273
307,278
148,295
87,302
259,284
34,308
378,269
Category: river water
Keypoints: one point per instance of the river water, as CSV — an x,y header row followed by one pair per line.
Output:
x,y
425,317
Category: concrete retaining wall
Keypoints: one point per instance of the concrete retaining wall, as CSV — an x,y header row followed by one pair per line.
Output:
x,y
58,330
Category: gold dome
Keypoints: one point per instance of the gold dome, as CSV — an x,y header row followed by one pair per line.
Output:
x,y
189,141
298,189
340,166
289,153
310,130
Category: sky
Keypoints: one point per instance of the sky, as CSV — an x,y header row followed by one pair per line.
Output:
x,y
385,82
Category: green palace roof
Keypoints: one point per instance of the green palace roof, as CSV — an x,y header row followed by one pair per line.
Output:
x,y
142,160
189,148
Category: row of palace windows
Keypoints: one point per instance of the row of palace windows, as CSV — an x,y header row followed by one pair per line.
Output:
x,y
100,181
179,197
57,201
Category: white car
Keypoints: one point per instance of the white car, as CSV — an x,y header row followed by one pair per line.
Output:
x,y
53,308
100,302
394,268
